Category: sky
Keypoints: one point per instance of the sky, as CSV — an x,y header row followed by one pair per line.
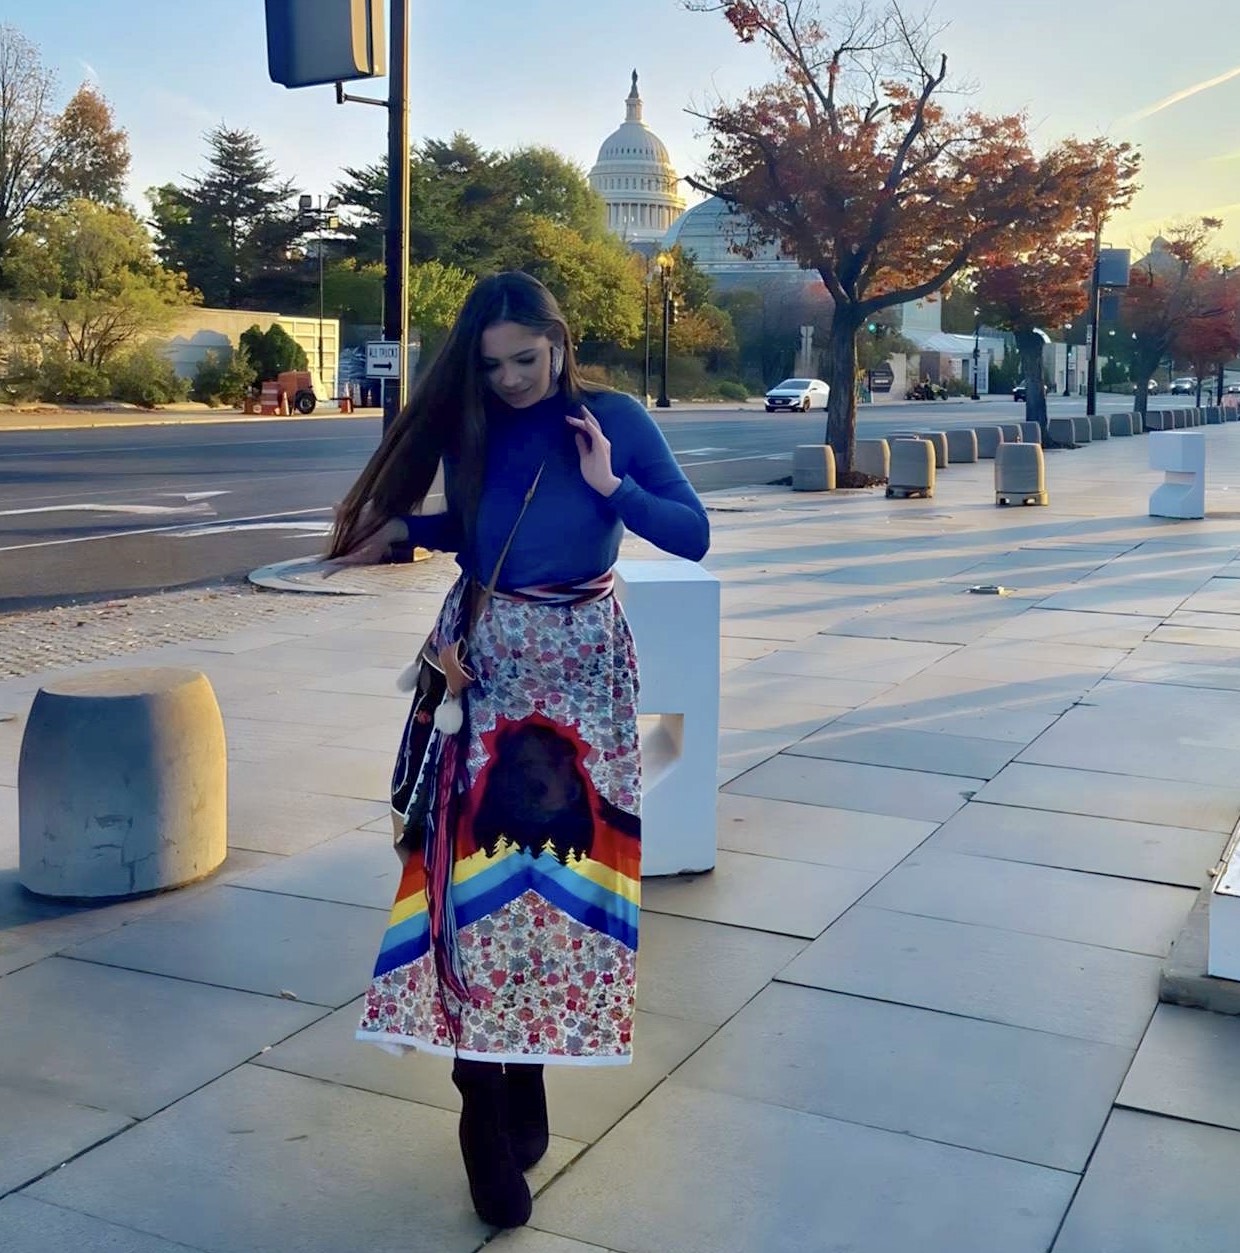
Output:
x,y
516,72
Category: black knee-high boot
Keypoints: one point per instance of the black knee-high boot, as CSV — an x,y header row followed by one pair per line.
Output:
x,y
498,1188
527,1113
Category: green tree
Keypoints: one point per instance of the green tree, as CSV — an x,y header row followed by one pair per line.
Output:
x,y
223,378
598,283
232,230
90,282
550,186
353,290
436,294
272,351
47,157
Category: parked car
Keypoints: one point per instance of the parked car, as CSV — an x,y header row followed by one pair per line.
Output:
x,y
1232,389
1019,392
1183,387
802,394
1152,386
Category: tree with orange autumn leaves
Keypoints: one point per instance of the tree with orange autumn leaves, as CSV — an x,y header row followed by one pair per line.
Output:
x,y
853,162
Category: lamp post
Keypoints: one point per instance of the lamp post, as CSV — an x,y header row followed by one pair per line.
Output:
x,y
665,273
323,216
646,358
977,352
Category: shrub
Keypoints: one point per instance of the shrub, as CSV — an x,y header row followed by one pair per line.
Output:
x,y
958,387
731,390
223,380
145,377
272,351
64,379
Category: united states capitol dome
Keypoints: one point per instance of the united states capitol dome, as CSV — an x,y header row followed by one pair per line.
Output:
x,y
635,177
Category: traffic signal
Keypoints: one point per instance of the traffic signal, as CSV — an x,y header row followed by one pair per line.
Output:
x,y
311,42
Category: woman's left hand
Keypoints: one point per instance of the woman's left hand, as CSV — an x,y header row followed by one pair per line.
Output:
x,y
594,449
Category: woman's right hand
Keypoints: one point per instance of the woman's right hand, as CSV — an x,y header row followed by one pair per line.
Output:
x,y
376,547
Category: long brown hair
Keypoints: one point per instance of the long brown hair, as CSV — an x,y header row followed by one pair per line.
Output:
x,y
446,414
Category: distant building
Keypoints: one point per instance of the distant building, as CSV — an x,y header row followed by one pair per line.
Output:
x,y
635,177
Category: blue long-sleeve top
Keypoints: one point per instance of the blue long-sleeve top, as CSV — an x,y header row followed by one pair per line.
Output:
x,y
569,532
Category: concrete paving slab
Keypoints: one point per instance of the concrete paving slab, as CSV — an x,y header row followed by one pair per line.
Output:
x,y
1095,628
939,620
847,785
765,713
279,818
1104,846
359,868
1033,981
30,1226
741,751
528,1240
259,740
39,1131
1022,1094
150,1040
341,1169
325,770
1181,734
908,750
817,1188
817,833
873,660
1186,1068
1159,801
1156,1185
761,893
756,680
1009,661
341,709
703,971
583,1102
1036,900
1219,595
318,952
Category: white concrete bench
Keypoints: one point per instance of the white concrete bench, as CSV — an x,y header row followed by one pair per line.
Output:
x,y
1181,455
122,785
673,610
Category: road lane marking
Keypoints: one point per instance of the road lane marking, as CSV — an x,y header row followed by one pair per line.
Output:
x,y
148,530
138,510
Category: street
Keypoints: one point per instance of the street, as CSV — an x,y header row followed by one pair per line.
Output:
x,y
89,513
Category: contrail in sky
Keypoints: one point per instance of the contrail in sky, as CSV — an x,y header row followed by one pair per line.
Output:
x,y
1177,96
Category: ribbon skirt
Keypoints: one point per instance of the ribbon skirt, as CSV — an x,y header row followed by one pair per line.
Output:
x,y
544,888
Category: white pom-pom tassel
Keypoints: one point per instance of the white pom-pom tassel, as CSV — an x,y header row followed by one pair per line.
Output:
x,y
407,680
449,717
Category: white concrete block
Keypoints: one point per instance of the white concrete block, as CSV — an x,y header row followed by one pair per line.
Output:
x,y
1223,931
1181,455
673,610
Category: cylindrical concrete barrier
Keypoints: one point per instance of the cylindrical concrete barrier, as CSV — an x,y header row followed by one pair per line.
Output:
x,y
122,784
1082,431
813,468
1138,423
1213,415
872,457
1012,432
938,441
912,468
1179,419
988,439
1061,432
1099,427
1157,420
1030,432
1020,475
962,445
1121,424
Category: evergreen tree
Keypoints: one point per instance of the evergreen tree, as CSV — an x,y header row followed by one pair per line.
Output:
x,y
232,230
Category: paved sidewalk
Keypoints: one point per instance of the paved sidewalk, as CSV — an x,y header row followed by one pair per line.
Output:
x,y
914,1008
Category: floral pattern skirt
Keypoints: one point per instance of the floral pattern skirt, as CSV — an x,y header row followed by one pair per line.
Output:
x,y
546,875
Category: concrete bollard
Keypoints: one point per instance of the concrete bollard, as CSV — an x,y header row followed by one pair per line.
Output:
x,y
938,441
872,457
1231,413
1082,431
1030,432
1020,475
988,439
1061,432
1099,427
962,445
1138,423
1213,416
813,468
1179,419
1181,455
1121,424
1013,432
912,469
680,698
122,785
1158,420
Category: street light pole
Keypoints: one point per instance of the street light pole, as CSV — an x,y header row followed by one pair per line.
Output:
x,y
665,269
977,353
646,362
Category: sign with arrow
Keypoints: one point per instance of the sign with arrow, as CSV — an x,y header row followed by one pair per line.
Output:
x,y
383,359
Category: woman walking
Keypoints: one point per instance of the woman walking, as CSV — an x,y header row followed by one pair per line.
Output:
x,y
513,939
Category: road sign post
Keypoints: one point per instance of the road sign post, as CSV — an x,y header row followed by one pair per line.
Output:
x,y
383,359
